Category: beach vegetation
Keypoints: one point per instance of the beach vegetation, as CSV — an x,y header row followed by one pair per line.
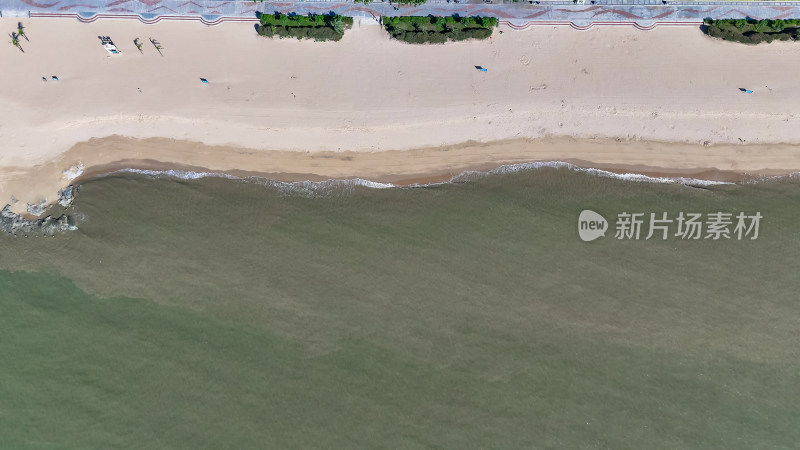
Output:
x,y
410,2
438,30
319,27
21,31
337,24
15,41
750,31
157,45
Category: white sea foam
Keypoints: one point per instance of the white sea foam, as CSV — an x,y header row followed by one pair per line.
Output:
x,y
372,184
73,172
513,168
333,187
330,186
291,187
182,174
320,188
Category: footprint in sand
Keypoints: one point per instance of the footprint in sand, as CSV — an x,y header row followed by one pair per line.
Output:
x,y
524,60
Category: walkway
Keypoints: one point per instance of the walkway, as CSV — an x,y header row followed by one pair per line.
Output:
x,y
641,13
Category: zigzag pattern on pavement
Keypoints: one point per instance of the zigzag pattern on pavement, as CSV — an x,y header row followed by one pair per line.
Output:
x,y
515,15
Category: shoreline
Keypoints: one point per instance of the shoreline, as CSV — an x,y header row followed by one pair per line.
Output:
x,y
392,169
432,174
637,173
370,107
401,168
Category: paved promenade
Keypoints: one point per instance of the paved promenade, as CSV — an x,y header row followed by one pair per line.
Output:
x,y
643,14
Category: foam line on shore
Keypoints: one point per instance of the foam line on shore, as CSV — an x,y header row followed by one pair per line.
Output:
x,y
182,174
513,168
14,223
308,186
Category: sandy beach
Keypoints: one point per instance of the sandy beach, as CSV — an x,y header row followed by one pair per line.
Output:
x,y
664,101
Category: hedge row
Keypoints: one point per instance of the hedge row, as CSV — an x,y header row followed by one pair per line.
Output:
x,y
437,30
313,26
753,31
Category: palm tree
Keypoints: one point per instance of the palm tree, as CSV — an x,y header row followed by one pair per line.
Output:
x,y
21,31
157,45
337,24
15,41
138,45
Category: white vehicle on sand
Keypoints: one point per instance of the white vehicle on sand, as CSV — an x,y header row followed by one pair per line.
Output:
x,y
109,45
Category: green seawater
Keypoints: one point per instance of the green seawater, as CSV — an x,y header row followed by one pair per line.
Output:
x,y
219,313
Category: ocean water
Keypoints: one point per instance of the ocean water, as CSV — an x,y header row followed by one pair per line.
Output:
x,y
211,312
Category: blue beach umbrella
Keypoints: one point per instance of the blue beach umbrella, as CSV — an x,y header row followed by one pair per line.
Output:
x,y
204,80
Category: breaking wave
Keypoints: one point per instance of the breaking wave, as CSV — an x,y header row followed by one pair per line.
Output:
x,y
308,188
182,174
339,185
514,168
12,223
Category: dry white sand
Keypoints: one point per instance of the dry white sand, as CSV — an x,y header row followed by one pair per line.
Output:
x,y
368,93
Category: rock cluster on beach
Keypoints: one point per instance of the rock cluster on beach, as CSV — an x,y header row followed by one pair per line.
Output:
x,y
13,223
37,209
65,196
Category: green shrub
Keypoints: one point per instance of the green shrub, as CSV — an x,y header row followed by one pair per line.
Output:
x,y
313,26
437,30
752,31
